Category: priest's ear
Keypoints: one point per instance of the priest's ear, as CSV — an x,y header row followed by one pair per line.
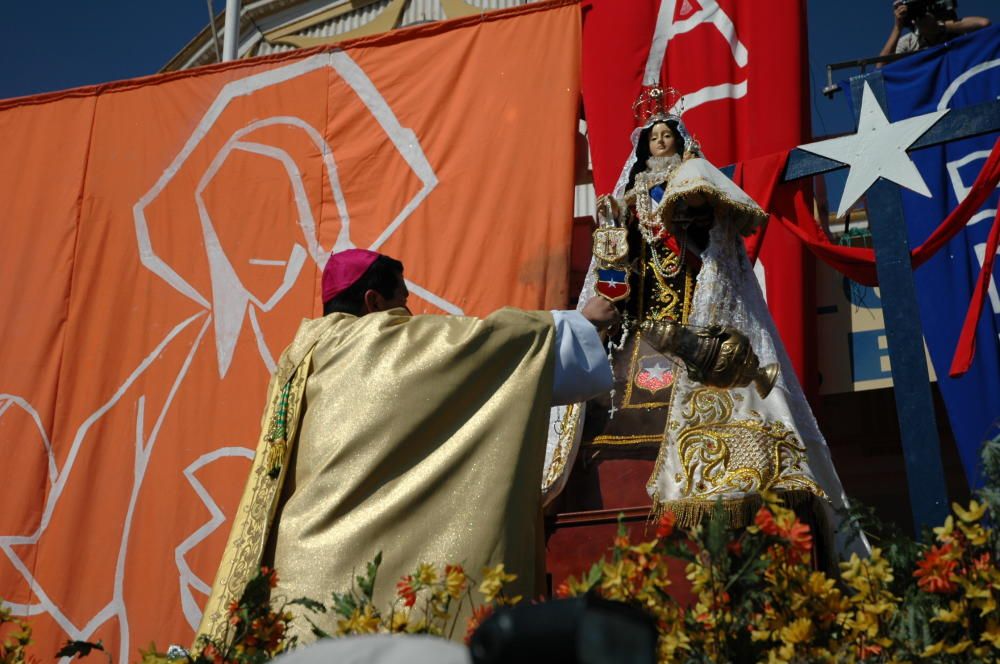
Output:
x,y
373,301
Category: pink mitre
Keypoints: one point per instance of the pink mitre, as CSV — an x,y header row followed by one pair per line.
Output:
x,y
343,269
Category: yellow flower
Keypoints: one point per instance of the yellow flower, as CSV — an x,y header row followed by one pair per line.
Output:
x,y
971,515
944,532
455,580
493,580
959,647
992,633
974,533
798,631
933,649
426,574
950,615
362,621
400,621
849,570
987,606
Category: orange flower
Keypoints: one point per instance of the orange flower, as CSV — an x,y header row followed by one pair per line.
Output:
x,y
562,590
621,542
982,563
405,589
765,521
479,615
799,537
666,526
936,570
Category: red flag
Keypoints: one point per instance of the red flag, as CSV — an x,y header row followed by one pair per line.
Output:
x,y
742,71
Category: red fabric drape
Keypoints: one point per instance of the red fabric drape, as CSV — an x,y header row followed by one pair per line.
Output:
x,y
966,349
761,177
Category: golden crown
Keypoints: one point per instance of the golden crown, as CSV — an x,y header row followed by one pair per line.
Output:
x,y
656,103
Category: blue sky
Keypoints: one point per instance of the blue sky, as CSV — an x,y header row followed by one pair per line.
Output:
x,y
67,43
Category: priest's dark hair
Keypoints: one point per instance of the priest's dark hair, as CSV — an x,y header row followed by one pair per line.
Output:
x,y
382,276
642,148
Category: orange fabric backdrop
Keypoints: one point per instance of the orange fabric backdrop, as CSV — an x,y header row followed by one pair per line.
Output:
x,y
162,239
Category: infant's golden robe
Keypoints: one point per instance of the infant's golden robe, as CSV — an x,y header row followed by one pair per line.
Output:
x,y
422,437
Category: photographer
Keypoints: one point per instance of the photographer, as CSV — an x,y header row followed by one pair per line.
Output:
x,y
930,22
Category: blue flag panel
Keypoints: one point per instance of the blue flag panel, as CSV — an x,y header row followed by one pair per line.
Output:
x,y
961,73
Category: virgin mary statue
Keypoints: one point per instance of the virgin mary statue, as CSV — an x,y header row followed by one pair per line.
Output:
x,y
669,249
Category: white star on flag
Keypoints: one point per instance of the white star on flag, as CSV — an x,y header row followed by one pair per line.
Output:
x,y
878,149
657,371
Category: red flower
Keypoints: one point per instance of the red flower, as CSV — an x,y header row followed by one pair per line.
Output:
x,y
666,525
405,589
479,614
212,653
270,574
735,547
800,539
562,590
868,650
234,607
935,570
765,521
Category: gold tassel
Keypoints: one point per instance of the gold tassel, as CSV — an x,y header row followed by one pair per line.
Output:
x,y
739,511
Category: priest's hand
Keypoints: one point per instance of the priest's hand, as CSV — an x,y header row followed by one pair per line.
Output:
x,y
601,313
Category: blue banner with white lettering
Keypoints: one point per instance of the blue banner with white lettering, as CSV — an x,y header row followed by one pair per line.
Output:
x,y
961,73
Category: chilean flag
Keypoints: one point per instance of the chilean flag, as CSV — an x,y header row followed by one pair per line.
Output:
x,y
612,284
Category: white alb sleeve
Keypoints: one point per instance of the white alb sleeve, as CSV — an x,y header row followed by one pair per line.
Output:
x,y
581,369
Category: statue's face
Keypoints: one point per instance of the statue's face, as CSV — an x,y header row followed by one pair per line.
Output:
x,y
661,141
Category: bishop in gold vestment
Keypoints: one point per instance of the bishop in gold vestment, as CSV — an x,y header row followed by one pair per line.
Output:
x,y
420,436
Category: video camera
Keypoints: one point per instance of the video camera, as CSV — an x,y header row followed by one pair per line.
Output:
x,y
942,10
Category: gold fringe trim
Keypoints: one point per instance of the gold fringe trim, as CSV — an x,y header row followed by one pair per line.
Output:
x,y
747,216
739,511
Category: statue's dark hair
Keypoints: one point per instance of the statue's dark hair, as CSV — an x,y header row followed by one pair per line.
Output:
x,y
642,149
382,276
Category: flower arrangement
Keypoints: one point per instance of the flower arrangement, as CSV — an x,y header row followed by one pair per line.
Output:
x,y
15,637
757,596
428,601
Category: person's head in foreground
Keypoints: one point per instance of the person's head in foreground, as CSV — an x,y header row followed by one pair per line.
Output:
x,y
359,282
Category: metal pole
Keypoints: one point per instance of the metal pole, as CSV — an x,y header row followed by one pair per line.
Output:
x,y
231,34
215,31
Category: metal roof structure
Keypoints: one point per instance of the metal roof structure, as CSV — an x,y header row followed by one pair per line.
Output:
x,y
275,26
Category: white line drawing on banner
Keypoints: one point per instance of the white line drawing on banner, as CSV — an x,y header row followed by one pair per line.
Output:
x,y
958,185
230,297
116,607
667,29
230,301
188,579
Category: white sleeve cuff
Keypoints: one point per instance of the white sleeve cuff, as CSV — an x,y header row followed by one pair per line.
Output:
x,y
581,365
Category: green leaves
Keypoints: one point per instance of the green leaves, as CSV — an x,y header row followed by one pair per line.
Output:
x,y
308,603
367,582
344,604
